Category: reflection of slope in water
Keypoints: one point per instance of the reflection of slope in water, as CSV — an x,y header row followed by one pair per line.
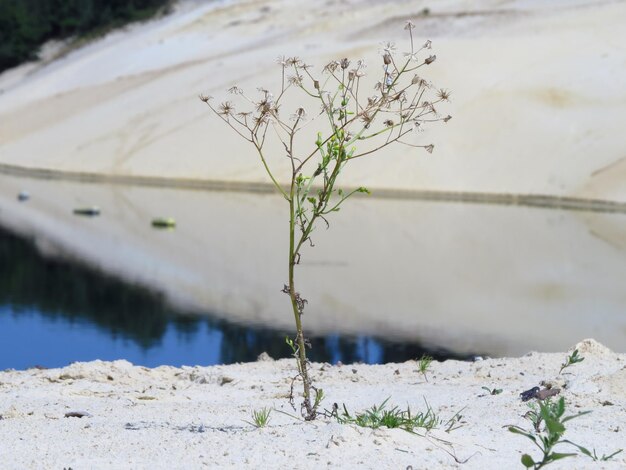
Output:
x,y
465,277
53,312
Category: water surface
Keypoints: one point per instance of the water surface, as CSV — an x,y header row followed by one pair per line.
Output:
x,y
464,278
56,311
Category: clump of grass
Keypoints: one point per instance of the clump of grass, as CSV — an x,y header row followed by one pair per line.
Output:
x,y
260,418
380,416
424,364
572,359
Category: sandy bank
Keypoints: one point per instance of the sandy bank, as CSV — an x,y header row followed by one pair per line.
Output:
x,y
195,417
537,101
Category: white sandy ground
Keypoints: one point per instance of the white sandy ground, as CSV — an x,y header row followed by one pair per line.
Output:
x,y
538,96
194,417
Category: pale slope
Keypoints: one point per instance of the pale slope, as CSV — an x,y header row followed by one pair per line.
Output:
x,y
538,96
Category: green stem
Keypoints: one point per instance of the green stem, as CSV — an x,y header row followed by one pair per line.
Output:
x,y
301,351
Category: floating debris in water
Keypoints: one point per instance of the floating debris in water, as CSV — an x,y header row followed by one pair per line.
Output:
x,y
23,196
87,211
163,222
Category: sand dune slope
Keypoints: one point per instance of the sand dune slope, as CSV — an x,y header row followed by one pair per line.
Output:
x,y
538,96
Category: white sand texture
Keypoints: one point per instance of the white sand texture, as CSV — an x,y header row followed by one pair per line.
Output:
x,y
539,106
195,417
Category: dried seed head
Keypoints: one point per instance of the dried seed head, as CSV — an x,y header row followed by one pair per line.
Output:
x,y
316,84
331,66
447,118
428,44
351,75
295,80
281,60
415,80
387,59
443,94
429,148
299,114
204,98
345,63
409,25
235,90
389,47
430,59
388,123
226,108
366,118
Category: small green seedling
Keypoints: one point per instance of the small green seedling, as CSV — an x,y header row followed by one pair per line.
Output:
x,y
424,364
592,455
551,414
572,359
260,418
492,391
455,422
380,416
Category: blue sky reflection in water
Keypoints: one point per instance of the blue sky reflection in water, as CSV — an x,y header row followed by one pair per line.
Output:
x,y
54,311
30,339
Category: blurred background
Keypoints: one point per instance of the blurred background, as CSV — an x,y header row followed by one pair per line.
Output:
x,y
509,237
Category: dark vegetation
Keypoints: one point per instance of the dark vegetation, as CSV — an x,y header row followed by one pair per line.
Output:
x,y
26,24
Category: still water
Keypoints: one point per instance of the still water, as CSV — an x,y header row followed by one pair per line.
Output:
x,y
389,277
55,311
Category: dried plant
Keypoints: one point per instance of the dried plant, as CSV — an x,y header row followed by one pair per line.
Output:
x,y
354,126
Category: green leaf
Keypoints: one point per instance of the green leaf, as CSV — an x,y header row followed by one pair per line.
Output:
x,y
582,413
552,424
516,430
558,456
584,450
527,461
